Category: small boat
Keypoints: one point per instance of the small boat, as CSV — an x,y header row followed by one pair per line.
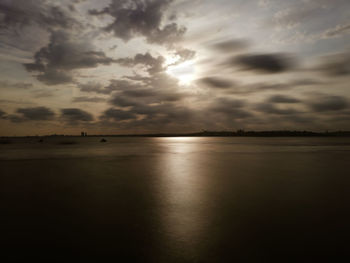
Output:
x,y
103,140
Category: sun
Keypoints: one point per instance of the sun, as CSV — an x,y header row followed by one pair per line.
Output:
x,y
185,71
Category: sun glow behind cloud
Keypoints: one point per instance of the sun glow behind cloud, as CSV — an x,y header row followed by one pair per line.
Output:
x,y
185,72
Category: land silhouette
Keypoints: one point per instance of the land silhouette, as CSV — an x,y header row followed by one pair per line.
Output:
x,y
205,133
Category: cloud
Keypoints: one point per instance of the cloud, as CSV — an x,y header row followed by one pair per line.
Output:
x,y
88,99
114,85
266,107
2,114
216,82
74,115
63,54
15,85
335,65
265,63
118,115
337,31
32,114
308,12
152,65
321,103
144,96
282,99
231,45
182,55
54,76
232,108
150,117
141,18
21,13
246,89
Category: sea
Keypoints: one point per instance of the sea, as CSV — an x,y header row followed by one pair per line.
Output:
x,y
175,199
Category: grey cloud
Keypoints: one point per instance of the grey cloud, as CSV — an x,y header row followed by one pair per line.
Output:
x,y
141,18
17,85
230,45
150,117
272,109
143,97
259,87
123,101
321,103
157,88
308,12
282,99
118,115
63,54
21,13
88,99
335,65
91,87
54,77
114,85
153,65
32,114
2,114
183,54
232,108
338,31
265,63
216,82
74,115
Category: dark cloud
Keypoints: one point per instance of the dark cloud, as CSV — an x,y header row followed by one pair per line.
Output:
x,y
282,99
322,103
231,45
150,117
32,114
247,89
63,54
21,13
17,85
335,65
118,115
152,65
141,18
53,76
88,99
232,108
216,82
306,82
74,115
144,97
114,85
270,108
265,63
2,114
92,87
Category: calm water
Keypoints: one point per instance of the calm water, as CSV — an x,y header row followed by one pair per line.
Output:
x,y
175,200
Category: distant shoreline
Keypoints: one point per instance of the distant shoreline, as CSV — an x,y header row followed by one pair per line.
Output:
x,y
239,133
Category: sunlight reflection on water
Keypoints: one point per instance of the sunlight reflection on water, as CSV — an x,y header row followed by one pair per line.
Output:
x,y
183,185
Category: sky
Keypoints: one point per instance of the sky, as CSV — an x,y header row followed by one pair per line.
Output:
x,y
157,66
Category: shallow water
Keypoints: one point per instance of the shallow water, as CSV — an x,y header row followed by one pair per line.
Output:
x,y
183,199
